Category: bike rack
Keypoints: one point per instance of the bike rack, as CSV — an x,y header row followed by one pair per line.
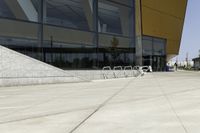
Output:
x,y
128,71
117,71
137,70
106,72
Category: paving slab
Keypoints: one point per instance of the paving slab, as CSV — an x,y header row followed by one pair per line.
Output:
x,y
154,103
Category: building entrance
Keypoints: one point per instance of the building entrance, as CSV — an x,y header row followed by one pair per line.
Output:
x,y
158,63
154,52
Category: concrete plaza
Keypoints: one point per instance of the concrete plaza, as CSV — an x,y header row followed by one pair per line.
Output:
x,y
154,103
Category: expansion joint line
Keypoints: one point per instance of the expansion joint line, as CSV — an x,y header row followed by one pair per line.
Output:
x,y
170,103
102,105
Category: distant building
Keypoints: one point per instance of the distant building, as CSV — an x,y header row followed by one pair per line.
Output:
x,y
197,63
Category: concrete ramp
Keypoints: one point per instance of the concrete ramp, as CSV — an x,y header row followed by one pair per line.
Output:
x,y
18,69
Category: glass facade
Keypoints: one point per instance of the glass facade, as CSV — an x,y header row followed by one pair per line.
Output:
x,y
68,13
71,34
4,10
154,52
115,18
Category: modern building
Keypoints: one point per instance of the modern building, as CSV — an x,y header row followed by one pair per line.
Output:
x,y
90,34
197,63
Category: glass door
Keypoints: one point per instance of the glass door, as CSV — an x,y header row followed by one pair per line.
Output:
x,y
158,63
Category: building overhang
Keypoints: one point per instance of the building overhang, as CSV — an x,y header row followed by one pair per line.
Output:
x,y
164,19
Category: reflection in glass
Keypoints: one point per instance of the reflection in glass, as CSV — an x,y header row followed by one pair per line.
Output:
x,y
109,18
159,46
4,10
114,18
65,30
153,46
147,46
154,52
20,9
68,13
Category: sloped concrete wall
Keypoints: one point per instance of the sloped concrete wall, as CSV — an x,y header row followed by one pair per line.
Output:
x,y
18,69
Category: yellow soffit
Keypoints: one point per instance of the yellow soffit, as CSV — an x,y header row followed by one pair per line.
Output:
x,y
164,19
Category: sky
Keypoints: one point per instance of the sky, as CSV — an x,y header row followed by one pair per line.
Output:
x,y
190,42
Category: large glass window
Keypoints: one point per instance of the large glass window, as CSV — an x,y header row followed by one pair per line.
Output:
x,y
109,19
70,13
69,48
4,10
115,18
20,36
147,46
153,46
20,9
117,50
159,46
115,39
154,52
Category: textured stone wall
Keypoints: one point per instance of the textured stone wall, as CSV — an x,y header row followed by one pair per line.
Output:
x,y
18,69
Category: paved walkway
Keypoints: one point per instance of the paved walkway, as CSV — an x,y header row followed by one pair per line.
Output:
x,y
155,103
